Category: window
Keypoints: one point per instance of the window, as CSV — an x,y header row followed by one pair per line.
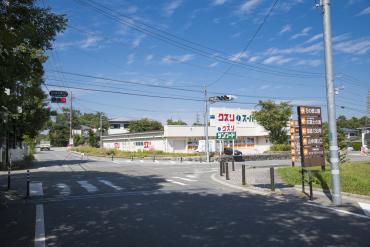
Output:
x,y
115,126
125,125
249,140
139,143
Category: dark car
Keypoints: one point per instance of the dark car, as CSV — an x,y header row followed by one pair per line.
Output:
x,y
229,151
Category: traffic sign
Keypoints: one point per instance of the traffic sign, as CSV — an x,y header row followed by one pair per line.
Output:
x,y
58,93
226,135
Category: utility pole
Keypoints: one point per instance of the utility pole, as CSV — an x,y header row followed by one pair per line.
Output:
x,y
333,142
101,130
206,123
70,122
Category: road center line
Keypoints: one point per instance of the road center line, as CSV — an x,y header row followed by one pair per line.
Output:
x,y
40,227
186,179
175,182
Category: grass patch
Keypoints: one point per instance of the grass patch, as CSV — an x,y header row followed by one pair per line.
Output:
x,y
355,177
125,154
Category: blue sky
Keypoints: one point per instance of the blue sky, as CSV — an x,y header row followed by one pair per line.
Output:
x,y
284,62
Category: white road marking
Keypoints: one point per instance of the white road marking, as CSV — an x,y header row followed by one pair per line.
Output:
x,y
39,228
36,189
365,207
191,176
156,161
108,183
142,161
337,210
175,182
172,162
64,189
186,179
87,186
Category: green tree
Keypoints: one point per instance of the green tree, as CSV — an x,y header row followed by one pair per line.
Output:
x,y
173,122
274,118
93,140
145,124
352,123
27,31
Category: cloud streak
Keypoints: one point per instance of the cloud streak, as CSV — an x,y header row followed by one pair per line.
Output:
x,y
170,8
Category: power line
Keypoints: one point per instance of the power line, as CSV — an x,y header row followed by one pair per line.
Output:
x,y
132,23
248,43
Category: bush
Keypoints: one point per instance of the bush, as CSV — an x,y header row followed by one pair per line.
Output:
x,y
356,145
280,147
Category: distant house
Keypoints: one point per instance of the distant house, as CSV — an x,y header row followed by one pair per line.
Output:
x,y
83,131
350,133
119,125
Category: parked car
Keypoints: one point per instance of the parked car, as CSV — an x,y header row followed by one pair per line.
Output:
x,y
44,145
229,151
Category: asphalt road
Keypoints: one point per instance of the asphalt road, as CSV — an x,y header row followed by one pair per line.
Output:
x,y
78,202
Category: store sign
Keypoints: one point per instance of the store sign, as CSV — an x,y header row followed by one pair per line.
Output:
x,y
294,140
226,135
226,128
220,117
147,144
311,136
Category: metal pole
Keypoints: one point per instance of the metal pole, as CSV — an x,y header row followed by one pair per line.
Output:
x,y
233,146
302,171
227,171
272,178
243,175
8,177
70,121
233,164
28,184
206,123
221,174
101,130
333,143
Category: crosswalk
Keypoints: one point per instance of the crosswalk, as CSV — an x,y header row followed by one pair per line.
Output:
x,y
80,185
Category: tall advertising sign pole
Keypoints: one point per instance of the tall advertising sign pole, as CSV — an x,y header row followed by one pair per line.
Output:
x,y
333,143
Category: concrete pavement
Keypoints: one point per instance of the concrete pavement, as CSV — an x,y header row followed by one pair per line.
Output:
x,y
95,203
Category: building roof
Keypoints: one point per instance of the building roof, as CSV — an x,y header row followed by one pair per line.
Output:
x,y
121,119
348,130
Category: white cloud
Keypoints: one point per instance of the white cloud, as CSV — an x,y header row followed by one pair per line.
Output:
x,y
341,37
177,59
238,56
365,11
288,5
149,57
277,60
315,38
236,35
170,8
303,33
310,62
212,65
132,9
248,6
285,29
296,49
218,2
90,41
355,47
253,59
131,58
137,41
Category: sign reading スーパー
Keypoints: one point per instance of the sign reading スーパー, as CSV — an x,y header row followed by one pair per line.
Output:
x,y
311,136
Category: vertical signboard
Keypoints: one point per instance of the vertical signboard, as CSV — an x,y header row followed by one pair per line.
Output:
x,y
311,136
294,140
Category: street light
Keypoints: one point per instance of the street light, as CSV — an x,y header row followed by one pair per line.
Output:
x,y
211,100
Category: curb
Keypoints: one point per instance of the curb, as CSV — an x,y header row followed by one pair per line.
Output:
x,y
344,194
249,189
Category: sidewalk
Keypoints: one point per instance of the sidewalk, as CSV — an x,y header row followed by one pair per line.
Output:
x,y
258,182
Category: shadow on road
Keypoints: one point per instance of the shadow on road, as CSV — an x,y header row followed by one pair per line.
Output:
x,y
157,217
